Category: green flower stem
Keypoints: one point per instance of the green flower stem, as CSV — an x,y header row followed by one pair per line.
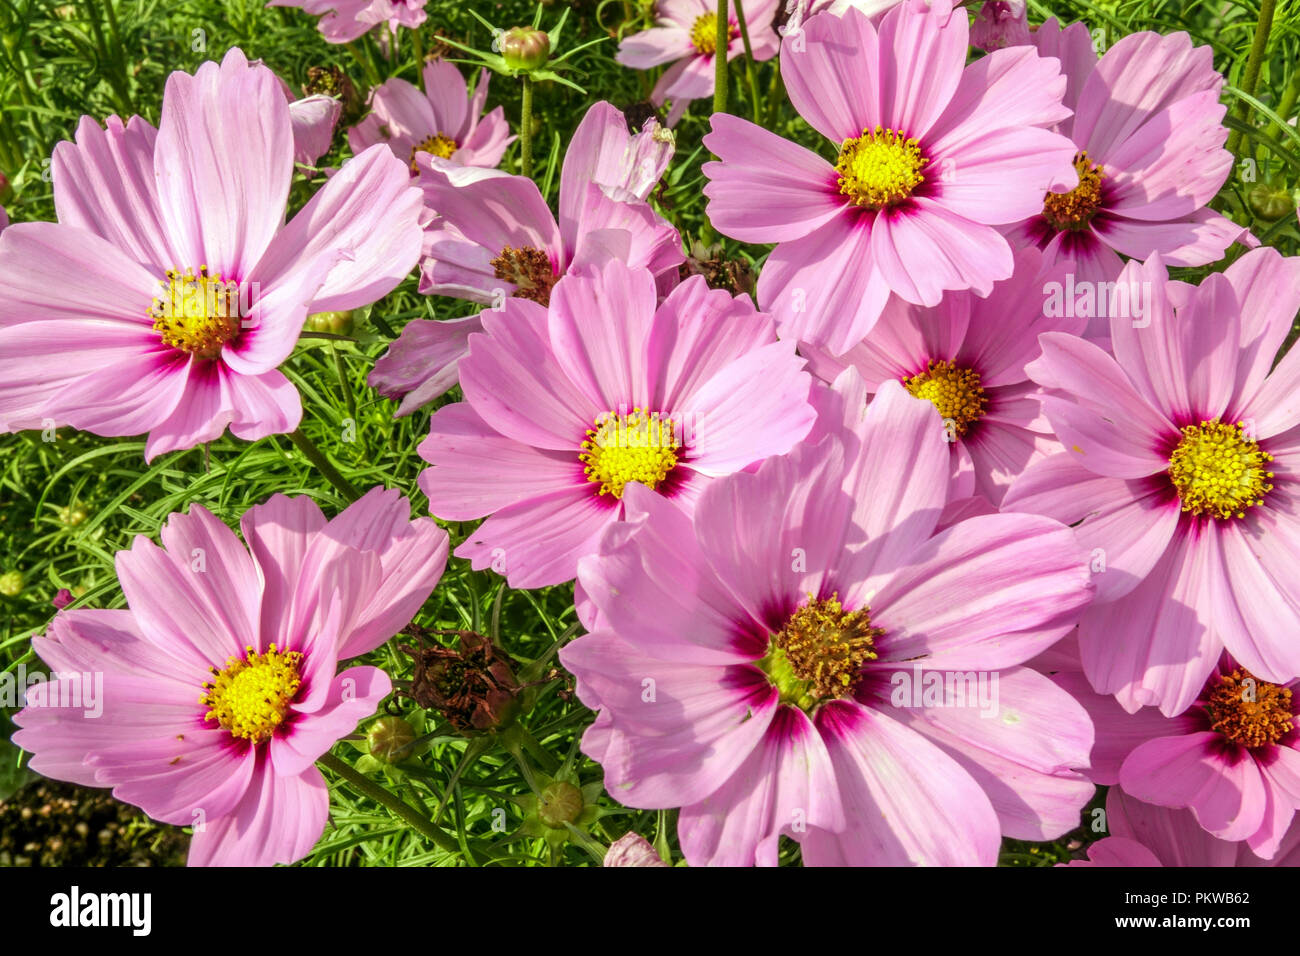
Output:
x,y
517,735
367,63
720,43
367,787
323,465
418,42
344,386
750,71
525,767
1289,97
475,749
1254,63
526,128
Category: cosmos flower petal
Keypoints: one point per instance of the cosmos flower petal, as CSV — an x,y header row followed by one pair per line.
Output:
x,y
799,188
104,183
1024,756
1125,526
367,215
279,820
831,75
701,724
784,786
222,206
906,802
1157,646
1225,790
353,695
989,592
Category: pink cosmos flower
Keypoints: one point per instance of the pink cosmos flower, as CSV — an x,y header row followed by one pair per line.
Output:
x,y
219,686
760,664
171,288
686,35
566,407
1147,127
343,21
1231,758
1182,460
967,356
445,120
1143,834
496,237
933,154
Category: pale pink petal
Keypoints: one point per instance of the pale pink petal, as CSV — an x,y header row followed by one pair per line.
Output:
x,y
799,188
423,362
278,821
906,801
990,592
785,786
221,205
1156,645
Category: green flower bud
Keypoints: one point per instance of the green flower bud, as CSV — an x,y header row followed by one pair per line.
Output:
x,y
1270,203
560,803
390,739
338,323
525,48
11,583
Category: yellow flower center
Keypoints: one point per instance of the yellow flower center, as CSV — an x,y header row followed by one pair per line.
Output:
x,y
1073,211
197,314
880,168
1249,712
251,697
819,653
704,34
1218,471
530,270
439,144
955,391
640,446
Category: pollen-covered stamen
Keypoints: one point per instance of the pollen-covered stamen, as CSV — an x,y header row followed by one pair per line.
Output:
x,y
251,697
1249,711
955,391
197,313
438,144
640,446
880,168
1218,471
819,653
530,270
1073,211
704,34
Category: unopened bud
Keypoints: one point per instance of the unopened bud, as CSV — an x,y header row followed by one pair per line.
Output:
x,y
525,48
560,803
336,323
390,739
1270,203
